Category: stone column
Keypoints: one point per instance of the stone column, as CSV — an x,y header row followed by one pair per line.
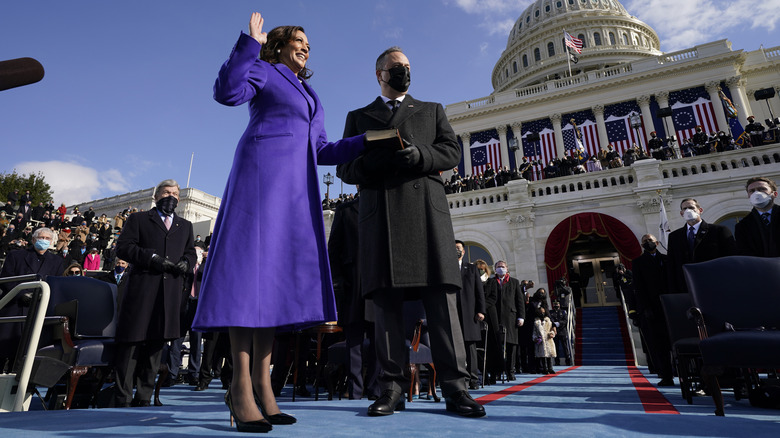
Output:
x,y
720,114
737,88
559,147
466,139
647,116
598,111
504,148
518,132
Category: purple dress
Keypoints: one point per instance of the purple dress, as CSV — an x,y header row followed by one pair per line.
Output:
x,y
268,263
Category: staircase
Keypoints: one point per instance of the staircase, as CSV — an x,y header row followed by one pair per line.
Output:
x,y
601,338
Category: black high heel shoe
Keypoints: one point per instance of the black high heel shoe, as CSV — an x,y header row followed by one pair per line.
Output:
x,y
258,426
280,418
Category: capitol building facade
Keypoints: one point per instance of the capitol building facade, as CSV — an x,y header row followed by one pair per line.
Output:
x,y
587,223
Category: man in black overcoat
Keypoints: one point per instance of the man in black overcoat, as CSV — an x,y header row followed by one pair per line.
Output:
x,y
159,245
33,260
697,241
650,281
471,308
406,235
343,247
505,306
758,233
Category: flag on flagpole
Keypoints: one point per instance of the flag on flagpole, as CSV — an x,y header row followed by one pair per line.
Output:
x,y
664,224
574,43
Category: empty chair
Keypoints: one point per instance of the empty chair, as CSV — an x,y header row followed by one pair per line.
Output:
x,y
736,303
684,339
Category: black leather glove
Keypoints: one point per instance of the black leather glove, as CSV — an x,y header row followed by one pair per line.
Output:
x,y
161,264
407,158
182,267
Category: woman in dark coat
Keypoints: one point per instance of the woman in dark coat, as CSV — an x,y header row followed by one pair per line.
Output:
x,y
242,291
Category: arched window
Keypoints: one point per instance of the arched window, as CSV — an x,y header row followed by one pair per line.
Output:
x,y
550,49
507,73
514,66
625,39
597,38
537,54
582,37
525,61
612,39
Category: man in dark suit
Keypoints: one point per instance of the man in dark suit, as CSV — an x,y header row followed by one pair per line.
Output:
x,y
406,235
758,234
695,242
505,305
650,282
159,246
471,308
34,260
343,247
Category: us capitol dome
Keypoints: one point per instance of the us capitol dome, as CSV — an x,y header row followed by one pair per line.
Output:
x,y
535,50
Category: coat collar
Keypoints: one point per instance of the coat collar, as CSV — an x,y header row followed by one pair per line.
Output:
x,y
301,86
379,111
154,216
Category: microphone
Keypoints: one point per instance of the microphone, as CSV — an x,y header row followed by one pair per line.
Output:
x,y
18,72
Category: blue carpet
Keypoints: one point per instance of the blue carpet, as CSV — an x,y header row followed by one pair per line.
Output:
x,y
586,401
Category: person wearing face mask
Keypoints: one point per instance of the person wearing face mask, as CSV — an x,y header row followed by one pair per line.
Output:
x,y
505,306
404,229
160,246
697,241
471,309
36,259
758,234
650,282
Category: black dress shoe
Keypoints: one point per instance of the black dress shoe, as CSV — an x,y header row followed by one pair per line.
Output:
x,y
473,385
510,377
461,403
140,403
201,387
667,381
389,402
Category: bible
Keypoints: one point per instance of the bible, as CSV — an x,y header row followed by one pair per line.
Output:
x,y
384,138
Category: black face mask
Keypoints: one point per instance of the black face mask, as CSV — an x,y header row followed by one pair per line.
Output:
x,y
167,205
650,246
400,78
119,269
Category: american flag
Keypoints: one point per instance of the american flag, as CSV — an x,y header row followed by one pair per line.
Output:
x,y
574,43
485,148
542,150
691,108
618,123
590,136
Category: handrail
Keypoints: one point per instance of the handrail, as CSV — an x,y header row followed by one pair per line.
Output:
x,y
35,334
571,317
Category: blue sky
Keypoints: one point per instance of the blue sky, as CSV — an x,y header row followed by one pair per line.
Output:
x,y
127,95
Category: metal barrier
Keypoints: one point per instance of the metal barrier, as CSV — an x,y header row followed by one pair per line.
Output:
x,y
9,390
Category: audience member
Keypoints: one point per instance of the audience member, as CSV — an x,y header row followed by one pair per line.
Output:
x,y
758,234
544,335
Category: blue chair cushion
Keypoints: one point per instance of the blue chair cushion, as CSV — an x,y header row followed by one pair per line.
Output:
x,y
742,349
93,352
687,346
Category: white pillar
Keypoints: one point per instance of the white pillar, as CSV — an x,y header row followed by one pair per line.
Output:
x,y
560,149
466,139
647,116
504,148
737,88
598,111
517,129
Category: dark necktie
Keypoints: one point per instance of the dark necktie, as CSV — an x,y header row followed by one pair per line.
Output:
x,y
765,218
691,239
394,104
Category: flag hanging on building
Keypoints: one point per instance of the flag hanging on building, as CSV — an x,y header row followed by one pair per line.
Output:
x,y
663,227
621,134
541,151
485,149
687,117
728,107
589,140
574,43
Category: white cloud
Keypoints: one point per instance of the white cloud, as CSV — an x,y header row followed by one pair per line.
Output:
x,y
683,24
73,183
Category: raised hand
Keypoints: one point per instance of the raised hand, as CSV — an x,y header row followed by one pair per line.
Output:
x,y
256,28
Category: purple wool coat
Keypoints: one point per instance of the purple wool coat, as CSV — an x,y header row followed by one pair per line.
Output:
x,y
268,263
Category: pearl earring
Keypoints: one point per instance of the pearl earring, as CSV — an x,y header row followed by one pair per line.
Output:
x,y
278,50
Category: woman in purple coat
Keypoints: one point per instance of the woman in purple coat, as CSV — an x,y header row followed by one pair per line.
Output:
x,y
270,219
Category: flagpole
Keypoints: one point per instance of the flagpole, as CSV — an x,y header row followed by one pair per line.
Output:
x,y
190,171
568,54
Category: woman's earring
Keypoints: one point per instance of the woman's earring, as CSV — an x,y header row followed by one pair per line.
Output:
x,y
278,50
